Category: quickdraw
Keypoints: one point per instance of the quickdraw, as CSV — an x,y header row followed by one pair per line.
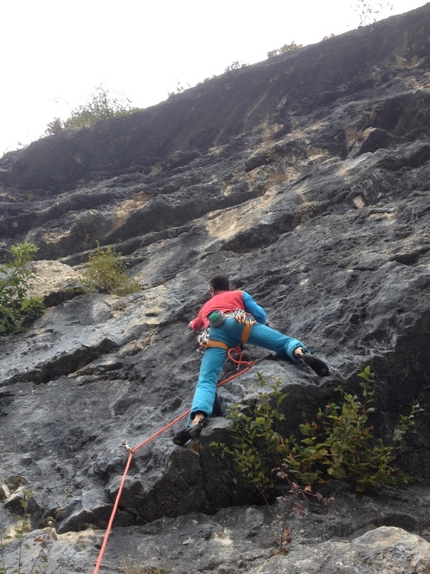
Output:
x,y
205,342
247,320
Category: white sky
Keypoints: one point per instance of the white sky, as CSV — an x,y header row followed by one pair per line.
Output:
x,y
55,52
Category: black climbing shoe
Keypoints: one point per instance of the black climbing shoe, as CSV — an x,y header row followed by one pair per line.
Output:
x,y
187,434
315,364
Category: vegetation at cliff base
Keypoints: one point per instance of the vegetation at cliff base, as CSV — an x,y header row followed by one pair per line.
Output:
x,y
338,445
15,282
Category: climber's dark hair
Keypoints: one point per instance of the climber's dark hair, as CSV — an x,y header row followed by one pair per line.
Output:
x,y
220,283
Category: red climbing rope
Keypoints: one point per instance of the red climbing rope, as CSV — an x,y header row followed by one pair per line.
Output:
x,y
132,451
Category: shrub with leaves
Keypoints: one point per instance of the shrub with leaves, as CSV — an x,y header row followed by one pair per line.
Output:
x,y
256,447
106,273
102,105
284,49
15,282
340,444
236,65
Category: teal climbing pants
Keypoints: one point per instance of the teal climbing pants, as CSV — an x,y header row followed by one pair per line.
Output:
x,y
230,332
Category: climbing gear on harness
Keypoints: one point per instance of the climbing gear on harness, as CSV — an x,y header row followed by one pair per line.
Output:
x,y
203,338
248,321
205,342
320,368
216,318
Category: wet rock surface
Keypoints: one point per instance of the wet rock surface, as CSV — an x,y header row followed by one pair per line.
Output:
x,y
306,179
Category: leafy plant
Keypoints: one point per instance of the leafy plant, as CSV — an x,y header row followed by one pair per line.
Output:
x,y
256,447
15,282
106,273
291,47
236,65
102,105
339,445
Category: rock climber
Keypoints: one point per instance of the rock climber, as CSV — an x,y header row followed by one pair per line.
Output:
x,y
233,317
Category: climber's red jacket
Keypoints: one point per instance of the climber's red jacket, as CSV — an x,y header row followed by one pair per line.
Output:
x,y
227,302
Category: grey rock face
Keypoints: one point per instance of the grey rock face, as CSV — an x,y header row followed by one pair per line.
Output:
x,y
306,179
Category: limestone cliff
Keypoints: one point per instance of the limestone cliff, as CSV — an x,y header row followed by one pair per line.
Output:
x,y
305,178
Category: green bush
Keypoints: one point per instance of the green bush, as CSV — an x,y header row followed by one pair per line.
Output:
x,y
106,273
236,65
15,282
256,447
102,105
339,444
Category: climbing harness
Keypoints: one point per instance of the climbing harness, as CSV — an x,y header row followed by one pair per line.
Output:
x,y
132,451
217,318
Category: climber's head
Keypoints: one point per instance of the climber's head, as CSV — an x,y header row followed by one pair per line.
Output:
x,y
219,283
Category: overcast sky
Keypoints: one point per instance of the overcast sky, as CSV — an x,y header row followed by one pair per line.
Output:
x,y
55,52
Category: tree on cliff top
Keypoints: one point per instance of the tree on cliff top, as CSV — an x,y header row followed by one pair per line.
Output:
x,y
369,11
102,105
